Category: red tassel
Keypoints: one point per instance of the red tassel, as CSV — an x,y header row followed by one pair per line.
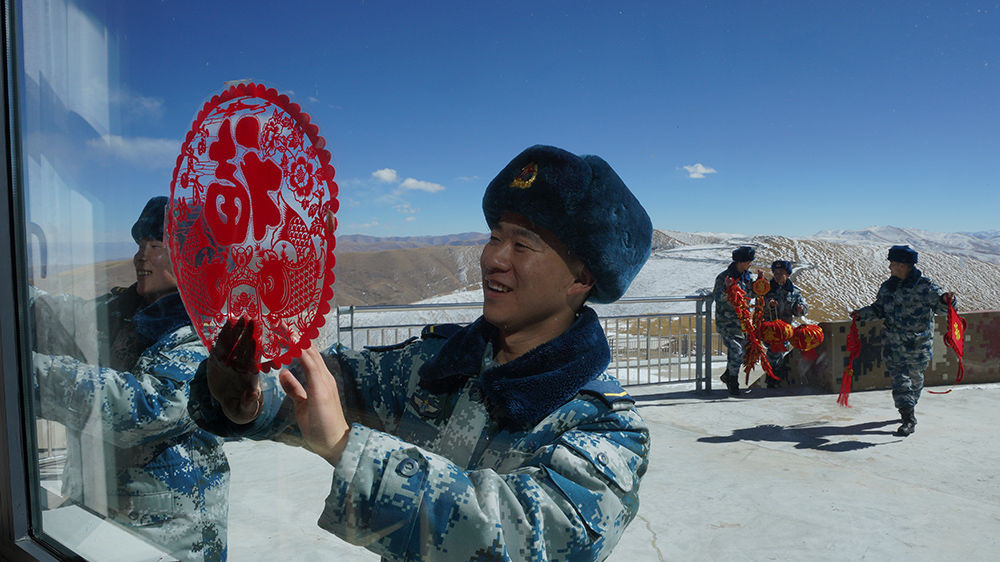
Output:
x,y
853,350
845,387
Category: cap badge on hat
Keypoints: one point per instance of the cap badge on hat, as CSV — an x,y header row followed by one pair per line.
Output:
x,y
526,177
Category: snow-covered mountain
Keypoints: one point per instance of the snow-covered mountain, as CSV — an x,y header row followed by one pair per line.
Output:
x,y
984,245
837,272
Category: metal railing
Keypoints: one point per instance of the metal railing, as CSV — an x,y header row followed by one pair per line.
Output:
x,y
652,339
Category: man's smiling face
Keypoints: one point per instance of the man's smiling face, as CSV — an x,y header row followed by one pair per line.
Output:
x,y
528,281
154,273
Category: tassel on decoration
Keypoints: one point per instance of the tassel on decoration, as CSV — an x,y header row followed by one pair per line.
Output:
x,y
853,350
955,337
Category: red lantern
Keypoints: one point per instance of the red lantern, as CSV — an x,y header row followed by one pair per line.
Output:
x,y
807,338
775,333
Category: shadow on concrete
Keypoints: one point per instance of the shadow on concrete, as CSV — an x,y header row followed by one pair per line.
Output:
x,y
810,436
720,394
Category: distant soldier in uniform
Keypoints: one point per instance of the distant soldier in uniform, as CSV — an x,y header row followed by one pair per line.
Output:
x,y
159,475
907,302
727,323
505,439
784,300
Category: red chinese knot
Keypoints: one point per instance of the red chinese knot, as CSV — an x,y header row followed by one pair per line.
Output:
x,y
247,221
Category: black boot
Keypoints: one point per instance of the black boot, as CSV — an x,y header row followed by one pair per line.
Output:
x,y
732,383
909,423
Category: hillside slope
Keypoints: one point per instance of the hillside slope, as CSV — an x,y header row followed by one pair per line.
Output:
x,y
836,273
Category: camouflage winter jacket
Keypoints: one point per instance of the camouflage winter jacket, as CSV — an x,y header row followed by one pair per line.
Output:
x,y
133,453
454,457
908,306
787,297
725,315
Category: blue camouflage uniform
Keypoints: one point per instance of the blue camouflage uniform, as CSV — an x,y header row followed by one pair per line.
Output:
x,y
727,323
454,457
155,472
788,296
908,307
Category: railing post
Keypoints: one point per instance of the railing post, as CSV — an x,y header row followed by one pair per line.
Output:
x,y
708,343
351,320
697,345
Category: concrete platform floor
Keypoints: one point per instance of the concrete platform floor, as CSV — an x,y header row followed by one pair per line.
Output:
x,y
783,474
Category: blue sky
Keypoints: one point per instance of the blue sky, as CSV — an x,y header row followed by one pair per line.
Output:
x,y
752,117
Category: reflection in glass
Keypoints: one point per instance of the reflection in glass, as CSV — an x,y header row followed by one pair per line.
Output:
x,y
123,471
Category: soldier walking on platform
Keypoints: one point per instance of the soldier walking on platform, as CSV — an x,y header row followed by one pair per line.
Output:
x,y
907,302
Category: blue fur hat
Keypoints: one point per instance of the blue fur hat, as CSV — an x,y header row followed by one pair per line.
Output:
x,y
744,253
584,203
903,254
783,264
150,223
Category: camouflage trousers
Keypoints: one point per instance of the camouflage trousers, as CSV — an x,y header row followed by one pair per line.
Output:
x,y
779,363
906,359
735,342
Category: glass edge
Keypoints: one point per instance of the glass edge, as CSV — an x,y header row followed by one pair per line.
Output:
x,y
20,516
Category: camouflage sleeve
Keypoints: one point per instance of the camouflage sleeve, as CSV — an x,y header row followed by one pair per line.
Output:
x,y
570,499
874,310
799,300
378,381
62,325
134,408
372,384
719,292
933,297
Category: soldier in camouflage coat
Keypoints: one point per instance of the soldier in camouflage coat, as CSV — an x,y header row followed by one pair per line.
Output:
x,y
502,440
118,380
907,302
727,323
784,300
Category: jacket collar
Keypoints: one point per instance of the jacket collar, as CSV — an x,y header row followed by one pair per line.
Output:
x,y
165,315
911,280
522,392
787,286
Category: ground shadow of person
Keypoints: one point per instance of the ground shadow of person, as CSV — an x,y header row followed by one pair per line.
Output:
x,y
808,435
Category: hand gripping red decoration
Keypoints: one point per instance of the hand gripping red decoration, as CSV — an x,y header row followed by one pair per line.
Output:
x,y
853,351
754,349
247,221
954,337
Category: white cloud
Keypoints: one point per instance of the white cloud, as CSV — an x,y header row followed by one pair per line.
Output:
x,y
410,183
410,219
698,171
405,208
139,151
387,175
138,106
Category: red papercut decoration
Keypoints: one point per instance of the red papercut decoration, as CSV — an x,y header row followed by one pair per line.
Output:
x,y
247,221
853,351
